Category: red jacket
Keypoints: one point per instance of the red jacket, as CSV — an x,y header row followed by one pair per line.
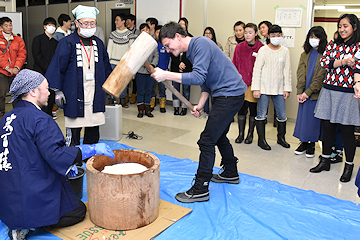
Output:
x,y
14,56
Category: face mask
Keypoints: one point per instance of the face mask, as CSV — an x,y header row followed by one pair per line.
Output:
x,y
276,40
87,32
50,29
314,42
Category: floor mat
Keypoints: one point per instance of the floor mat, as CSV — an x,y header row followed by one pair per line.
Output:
x,y
255,208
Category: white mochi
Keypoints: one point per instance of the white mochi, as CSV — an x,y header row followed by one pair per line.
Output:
x,y
124,168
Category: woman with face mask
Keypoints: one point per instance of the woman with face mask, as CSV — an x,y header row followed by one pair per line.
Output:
x,y
338,102
310,77
272,79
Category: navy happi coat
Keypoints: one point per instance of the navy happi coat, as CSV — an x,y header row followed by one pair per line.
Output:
x,y
34,190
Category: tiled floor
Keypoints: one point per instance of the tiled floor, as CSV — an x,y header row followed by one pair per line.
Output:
x,y
177,136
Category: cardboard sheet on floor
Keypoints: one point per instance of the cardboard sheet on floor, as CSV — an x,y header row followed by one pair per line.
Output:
x,y
255,208
168,214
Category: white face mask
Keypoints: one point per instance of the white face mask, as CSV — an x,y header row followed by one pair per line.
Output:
x,y
314,42
276,40
87,32
50,29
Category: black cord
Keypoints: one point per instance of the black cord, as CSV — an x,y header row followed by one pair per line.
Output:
x,y
132,135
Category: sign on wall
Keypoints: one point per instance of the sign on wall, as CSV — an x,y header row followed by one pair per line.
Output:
x,y
289,36
288,17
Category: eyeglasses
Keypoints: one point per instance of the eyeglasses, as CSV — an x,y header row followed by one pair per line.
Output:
x,y
166,46
87,24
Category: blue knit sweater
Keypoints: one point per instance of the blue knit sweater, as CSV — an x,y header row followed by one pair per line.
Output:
x,y
212,69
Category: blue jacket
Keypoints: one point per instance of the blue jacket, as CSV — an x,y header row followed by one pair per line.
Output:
x,y
33,188
164,57
66,74
212,69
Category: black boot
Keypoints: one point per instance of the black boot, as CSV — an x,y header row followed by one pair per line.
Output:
x,y
324,164
241,124
275,120
260,128
348,169
148,110
176,111
281,134
183,112
140,110
199,192
250,135
229,172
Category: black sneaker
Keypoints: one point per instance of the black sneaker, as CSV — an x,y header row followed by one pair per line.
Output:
x,y
199,192
310,151
302,148
18,234
336,157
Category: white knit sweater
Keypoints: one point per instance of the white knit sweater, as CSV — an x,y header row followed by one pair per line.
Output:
x,y
272,74
119,42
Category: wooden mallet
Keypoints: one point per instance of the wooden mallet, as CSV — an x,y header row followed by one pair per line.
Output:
x,y
151,69
129,65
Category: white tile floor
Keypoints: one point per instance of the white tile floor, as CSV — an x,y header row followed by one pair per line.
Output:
x,y
177,136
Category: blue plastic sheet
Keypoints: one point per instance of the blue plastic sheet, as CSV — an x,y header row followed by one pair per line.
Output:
x,y
255,208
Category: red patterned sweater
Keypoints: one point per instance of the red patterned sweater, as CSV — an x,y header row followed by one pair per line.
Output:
x,y
342,76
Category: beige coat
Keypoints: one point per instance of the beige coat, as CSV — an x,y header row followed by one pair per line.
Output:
x,y
230,47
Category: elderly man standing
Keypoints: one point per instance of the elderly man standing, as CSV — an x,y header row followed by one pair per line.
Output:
x,y
77,71
217,76
34,161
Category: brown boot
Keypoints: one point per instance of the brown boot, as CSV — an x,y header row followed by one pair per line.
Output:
x,y
152,103
123,103
148,110
133,98
140,110
162,105
127,98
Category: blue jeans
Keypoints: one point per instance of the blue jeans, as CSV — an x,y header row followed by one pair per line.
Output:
x,y
217,126
144,87
185,88
279,104
123,94
161,89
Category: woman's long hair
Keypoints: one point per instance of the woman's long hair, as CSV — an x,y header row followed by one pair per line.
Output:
x,y
354,21
320,33
212,33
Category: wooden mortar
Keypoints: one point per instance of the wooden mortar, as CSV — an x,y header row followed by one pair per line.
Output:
x,y
123,202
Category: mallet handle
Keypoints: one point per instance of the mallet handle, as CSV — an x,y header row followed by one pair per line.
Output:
x,y
151,69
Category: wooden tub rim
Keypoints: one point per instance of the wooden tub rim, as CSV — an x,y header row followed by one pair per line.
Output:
x,y
156,165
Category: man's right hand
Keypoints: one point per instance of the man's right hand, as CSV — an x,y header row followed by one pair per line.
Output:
x,y
196,111
60,100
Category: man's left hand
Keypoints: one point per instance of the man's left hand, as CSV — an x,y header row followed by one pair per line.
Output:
x,y
159,75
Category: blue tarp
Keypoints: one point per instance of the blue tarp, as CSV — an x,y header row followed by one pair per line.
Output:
x,y
255,208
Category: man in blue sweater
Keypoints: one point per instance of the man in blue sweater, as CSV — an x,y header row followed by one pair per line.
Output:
x,y
217,75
